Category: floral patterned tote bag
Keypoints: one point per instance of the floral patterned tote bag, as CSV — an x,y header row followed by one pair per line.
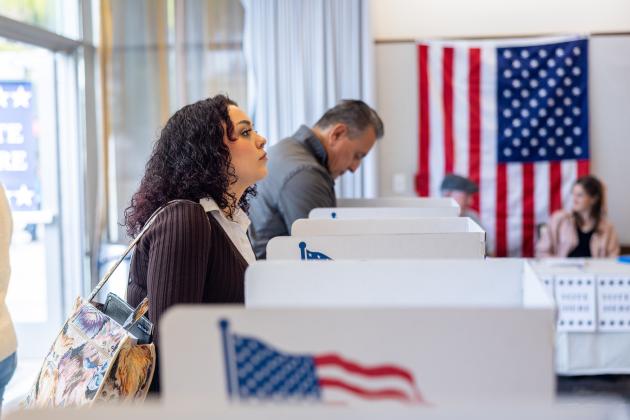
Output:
x,y
95,358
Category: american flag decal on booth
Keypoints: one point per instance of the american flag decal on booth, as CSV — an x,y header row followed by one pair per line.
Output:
x,y
305,254
256,371
513,117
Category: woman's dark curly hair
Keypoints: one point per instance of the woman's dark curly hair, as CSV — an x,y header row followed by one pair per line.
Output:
x,y
189,161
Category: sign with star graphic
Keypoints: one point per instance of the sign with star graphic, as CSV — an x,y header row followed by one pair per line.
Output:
x,y
18,145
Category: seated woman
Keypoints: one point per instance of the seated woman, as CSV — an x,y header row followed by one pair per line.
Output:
x,y
584,232
196,251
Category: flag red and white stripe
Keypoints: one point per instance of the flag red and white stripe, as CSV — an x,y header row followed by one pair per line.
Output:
x,y
457,84
340,378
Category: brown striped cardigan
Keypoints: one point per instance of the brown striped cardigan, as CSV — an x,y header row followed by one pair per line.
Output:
x,y
184,257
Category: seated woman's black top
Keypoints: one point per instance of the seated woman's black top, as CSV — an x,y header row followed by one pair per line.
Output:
x,y
583,248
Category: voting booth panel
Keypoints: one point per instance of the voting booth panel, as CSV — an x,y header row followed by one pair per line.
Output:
x,y
314,227
593,327
431,237
426,202
199,410
381,212
431,356
505,283
384,246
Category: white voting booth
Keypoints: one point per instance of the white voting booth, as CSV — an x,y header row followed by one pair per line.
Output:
x,y
506,284
432,237
484,328
392,226
381,212
388,207
426,356
426,202
593,327
200,410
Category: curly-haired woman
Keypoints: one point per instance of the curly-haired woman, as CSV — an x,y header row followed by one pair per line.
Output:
x,y
196,251
583,232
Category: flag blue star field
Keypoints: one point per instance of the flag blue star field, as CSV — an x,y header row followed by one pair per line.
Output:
x,y
513,117
542,102
256,371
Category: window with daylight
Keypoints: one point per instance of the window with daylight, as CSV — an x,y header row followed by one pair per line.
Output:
x,y
42,138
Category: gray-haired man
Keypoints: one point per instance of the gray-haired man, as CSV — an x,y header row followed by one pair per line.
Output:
x,y
303,169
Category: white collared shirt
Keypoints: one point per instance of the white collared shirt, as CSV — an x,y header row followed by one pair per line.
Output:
x,y
235,229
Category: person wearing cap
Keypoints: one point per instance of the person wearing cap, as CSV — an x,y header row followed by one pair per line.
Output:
x,y
461,189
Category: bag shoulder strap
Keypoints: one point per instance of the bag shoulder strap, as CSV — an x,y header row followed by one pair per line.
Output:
x,y
133,243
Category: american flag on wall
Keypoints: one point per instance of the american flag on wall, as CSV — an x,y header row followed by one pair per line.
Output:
x,y
511,116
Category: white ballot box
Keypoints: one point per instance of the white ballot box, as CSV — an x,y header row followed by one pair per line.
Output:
x,y
440,237
425,356
382,212
426,202
593,326
198,409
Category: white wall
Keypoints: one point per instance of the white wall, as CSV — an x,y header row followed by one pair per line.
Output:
x,y
414,19
398,107
609,104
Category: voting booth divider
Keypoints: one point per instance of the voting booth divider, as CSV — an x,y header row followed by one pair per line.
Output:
x,y
492,283
431,237
436,356
200,410
381,212
593,326
426,202
388,207
334,247
398,226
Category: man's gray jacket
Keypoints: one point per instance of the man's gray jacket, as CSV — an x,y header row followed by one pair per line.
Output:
x,y
298,182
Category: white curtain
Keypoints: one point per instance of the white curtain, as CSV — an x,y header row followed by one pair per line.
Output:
x,y
303,56
161,58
